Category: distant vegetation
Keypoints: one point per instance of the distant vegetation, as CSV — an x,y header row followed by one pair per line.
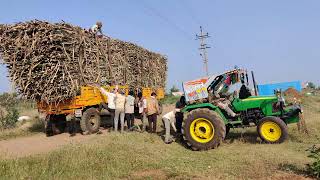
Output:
x,y
8,110
169,99
174,89
11,107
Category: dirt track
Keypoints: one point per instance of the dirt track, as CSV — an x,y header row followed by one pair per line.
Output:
x,y
38,144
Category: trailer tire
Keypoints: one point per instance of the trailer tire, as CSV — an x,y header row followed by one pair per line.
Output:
x,y
90,121
48,127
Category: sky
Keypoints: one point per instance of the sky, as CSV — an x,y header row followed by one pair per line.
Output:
x,y
278,40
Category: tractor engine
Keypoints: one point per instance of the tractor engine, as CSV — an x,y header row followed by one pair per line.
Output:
x,y
251,115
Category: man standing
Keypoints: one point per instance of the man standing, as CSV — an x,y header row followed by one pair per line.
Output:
x,y
120,100
110,98
129,110
153,110
142,104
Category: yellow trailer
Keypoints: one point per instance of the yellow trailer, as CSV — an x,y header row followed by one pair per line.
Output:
x,y
88,107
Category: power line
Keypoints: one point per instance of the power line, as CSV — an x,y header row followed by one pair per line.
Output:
x,y
191,13
155,12
203,48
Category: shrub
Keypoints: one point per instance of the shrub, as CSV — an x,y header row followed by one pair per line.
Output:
x,y
169,99
8,112
314,168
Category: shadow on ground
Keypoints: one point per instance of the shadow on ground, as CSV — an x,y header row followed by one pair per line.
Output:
x,y
246,137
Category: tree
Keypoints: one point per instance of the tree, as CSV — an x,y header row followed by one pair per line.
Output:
x,y
174,89
311,85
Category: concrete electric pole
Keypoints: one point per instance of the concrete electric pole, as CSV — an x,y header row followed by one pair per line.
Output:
x,y
203,48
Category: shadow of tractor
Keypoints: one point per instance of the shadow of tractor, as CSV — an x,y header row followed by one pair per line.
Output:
x,y
242,135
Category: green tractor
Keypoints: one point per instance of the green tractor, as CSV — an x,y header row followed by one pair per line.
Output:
x,y
208,121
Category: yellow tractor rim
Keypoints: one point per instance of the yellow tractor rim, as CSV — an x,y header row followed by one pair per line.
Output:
x,y
271,131
202,130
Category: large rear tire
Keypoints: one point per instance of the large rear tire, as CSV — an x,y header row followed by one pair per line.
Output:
x,y
203,129
90,121
55,124
272,130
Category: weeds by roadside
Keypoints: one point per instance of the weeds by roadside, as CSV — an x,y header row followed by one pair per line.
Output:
x,y
314,167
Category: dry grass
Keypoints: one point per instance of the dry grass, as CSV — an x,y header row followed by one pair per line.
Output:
x,y
144,156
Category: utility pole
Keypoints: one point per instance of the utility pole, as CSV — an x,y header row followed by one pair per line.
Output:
x,y
203,48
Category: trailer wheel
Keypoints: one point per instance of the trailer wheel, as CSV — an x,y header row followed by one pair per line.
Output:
x,y
90,121
48,127
55,124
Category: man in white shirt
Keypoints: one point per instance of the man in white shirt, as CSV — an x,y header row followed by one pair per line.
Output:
x,y
97,28
142,104
169,120
110,98
120,100
129,110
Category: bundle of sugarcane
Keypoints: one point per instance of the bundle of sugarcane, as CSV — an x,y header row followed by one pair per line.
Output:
x,y
50,62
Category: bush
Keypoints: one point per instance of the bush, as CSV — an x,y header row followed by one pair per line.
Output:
x,y
169,99
314,168
8,112
174,89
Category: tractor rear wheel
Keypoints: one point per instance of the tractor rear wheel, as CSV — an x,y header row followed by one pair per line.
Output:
x,y
90,121
272,130
203,129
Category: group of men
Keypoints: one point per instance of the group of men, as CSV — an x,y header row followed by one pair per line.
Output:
x,y
121,106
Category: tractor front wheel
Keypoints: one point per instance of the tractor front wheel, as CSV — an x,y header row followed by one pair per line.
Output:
x,y
272,130
90,121
203,129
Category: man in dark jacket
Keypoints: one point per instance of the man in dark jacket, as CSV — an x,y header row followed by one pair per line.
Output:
x,y
244,91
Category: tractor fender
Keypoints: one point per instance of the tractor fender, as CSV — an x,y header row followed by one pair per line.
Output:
x,y
210,106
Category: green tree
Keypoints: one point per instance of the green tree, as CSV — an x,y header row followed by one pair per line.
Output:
x,y
174,89
8,111
311,85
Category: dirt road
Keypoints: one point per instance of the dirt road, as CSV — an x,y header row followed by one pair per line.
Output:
x,y
38,144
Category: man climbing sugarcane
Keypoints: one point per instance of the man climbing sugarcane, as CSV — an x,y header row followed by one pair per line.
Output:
x,y
97,28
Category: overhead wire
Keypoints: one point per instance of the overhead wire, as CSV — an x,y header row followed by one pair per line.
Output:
x,y
191,13
155,12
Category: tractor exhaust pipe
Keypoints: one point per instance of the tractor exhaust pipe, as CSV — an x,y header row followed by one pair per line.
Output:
x,y
254,84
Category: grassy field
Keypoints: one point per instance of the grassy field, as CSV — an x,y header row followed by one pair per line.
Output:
x,y
145,156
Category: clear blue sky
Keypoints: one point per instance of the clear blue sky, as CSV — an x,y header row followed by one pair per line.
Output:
x,y
279,40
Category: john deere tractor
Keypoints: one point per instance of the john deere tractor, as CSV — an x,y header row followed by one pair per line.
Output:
x,y
207,121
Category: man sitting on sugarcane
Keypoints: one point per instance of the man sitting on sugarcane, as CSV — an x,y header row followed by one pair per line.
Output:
x,y
97,28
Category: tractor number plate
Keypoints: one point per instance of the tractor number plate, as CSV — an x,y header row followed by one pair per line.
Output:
x,y
78,113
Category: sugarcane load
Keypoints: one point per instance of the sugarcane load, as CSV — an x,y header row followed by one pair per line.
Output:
x,y
50,61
